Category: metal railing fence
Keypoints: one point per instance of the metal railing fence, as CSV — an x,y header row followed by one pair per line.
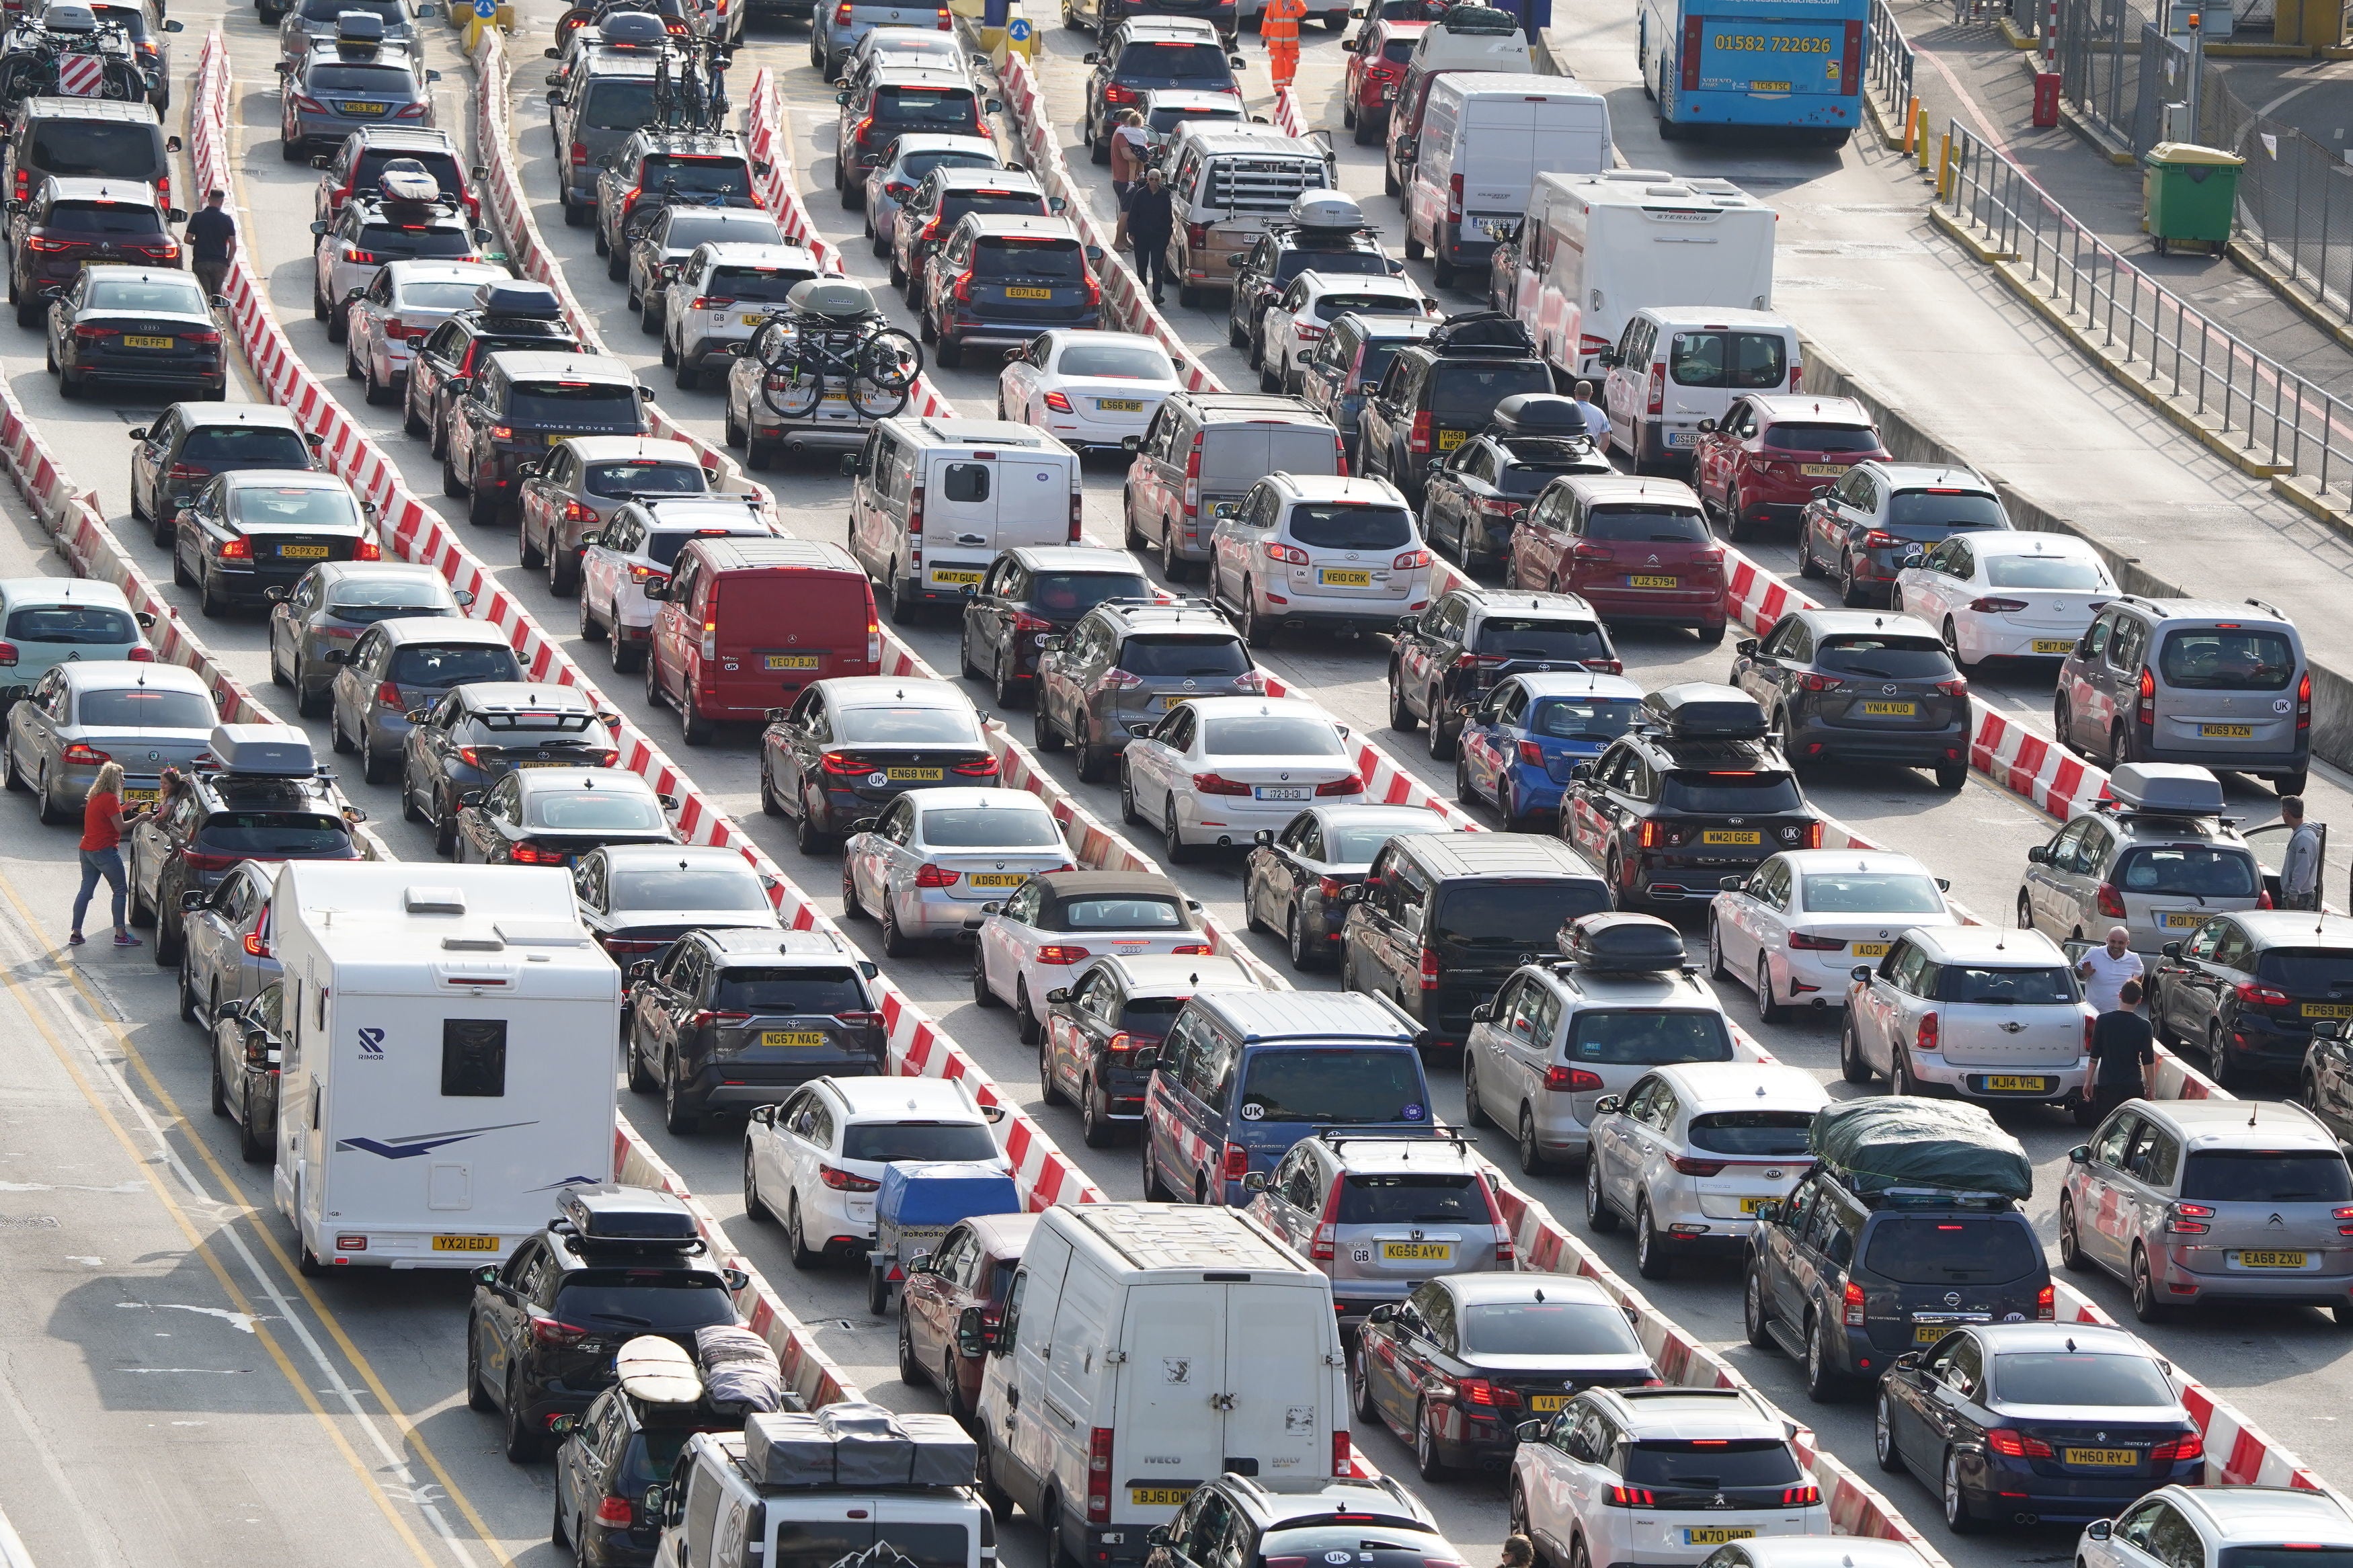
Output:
x,y
1889,60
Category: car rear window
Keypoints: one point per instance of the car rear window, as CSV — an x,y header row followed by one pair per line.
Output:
x,y
2285,1557
1527,476
2078,1378
81,624
444,294
726,224
1885,657
602,402
1510,910
1149,63
1794,437
1711,1466
425,241
2304,970
246,446
111,149
989,827
1543,638
395,84
295,506
1375,361
1870,893
1466,394
1545,1328
700,175
106,217
1129,911
913,166
1646,522
757,285
1356,263
1071,592
455,665
1339,1085
1401,1197
1149,654
1648,1037
1729,790
273,833
803,990
890,1141
541,721
1350,527
1332,307
1989,986
594,811
2266,1177
442,166
1952,510
2042,572
1770,1132
2185,870
148,294
922,106
2227,658
617,103
1272,736
1377,1544
660,1301
1397,49
1575,718
1150,1015
1044,260
1746,361
687,888
1956,1249
150,709
662,548
910,726
645,475
1020,203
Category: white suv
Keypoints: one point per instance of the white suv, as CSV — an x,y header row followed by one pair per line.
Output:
x,y
1306,551
1658,1476
1983,1012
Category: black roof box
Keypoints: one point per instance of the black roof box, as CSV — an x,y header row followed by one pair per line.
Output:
x,y
1626,943
1695,710
1538,414
537,300
1483,332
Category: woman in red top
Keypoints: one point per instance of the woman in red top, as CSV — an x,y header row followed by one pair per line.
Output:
x,y
104,821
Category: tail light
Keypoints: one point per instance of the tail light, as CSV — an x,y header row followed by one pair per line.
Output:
x,y
2112,902
1804,942
1344,1454
2089,1024
46,246
1419,438
710,303
1693,32
2148,714
1062,955
1852,1316
414,111
609,757
1429,968
843,762
642,574
1850,81
1928,1037
1410,560
90,335
1094,290
1325,1248
978,768
842,1181
579,153
1632,1496
1813,836
1957,687
469,756
1648,837
1114,92
2303,702
1117,680
1250,681
529,854
2188,1446
2260,995
1797,375
2046,1305
1078,516
1350,784
2188,1220
1813,682
238,548
1533,754
1023,621
139,654
575,512
1060,402
1880,539
308,105
184,471
1193,475
1658,389
617,1514
873,642
1691,1167
1099,1476
1454,198
963,289
81,754
1218,783
547,1331
1506,1254
2344,1216
196,860
1801,1497
1572,1080
1197,234
1997,607
1236,1164
2012,1444
367,550
1289,554
363,258
8,653
1191,949
1329,887
708,1017
936,876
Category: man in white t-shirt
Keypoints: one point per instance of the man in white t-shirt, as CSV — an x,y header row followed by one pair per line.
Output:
x,y
2106,968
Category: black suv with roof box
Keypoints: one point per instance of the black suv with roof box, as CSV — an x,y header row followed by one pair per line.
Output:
x,y
1443,918
1694,793
505,316
1475,496
1441,392
652,170
1288,248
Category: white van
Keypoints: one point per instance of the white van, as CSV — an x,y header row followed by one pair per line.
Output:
x,y
1484,137
1145,1348
448,1058
1675,366
937,498
1596,249
1439,49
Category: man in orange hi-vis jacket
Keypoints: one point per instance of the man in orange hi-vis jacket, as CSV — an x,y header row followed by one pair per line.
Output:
x,y
1278,27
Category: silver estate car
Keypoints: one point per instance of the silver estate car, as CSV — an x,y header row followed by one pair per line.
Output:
x,y
80,716
933,856
334,604
399,666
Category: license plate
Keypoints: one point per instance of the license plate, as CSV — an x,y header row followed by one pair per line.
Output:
x,y
1028,293
751,320
147,342
997,879
1750,1206
2227,732
1416,1251
1648,580
1332,578
2182,920
1158,1497
2311,1009
1929,1333
2053,644
547,762
1120,405
1264,792
957,576
790,661
1891,709
1715,1534
364,108
1768,86
1450,439
465,1244
1547,1403
302,552
1730,836
791,1039
2019,1085
2271,1259
1681,437
1870,950
913,776
2102,1458
137,796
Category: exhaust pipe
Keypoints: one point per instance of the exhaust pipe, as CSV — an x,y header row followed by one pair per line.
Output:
x,y
2026,1519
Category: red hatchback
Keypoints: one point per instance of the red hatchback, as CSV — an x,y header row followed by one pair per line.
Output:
x,y
1772,453
1376,57
1637,550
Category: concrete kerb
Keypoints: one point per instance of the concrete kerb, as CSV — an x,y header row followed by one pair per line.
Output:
x,y
2293,295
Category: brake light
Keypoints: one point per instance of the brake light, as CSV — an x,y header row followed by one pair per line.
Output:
x,y
1062,955
1060,402
2260,995
841,14
468,755
1237,1163
237,548
579,153
1813,836
1218,783
548,1330
1099,1476
1997,607
978,768
1532,753
1347,784
1658,389
1325,1248
843,762
842,1181
1805,942
963,289
81,754
1429,968
707,1017
1880,539
936,876
1572,1080
1289,553
88,333
1410,560
1691,1167
1813,682
1851,1317
1929,1037
616,1512
44,244
367,550
1418,439
364,257
2303,702
642,574
1801,1497
2188,1446
1632,1496
2148,714
2110,901
2046,1305
1648,837
1454,198
1343,1456
2012,1444
143,654
1114,93
532,855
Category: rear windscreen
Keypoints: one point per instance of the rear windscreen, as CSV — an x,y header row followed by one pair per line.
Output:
x,y
416,240
913,166
1870,893
1712,1465
1165,119
1332,307
1648,1037
1374,363
523,727
2302,971
701,176
1576,719
1467,393
425,294
1358,263
1132,911
1124,361
1953,510
294,506
660,1300
2042,572
891,1140
1272,736
1638,523
1070,592
1885,657
1746,361
82,625
689,229
1961,1250
269,833
148,294
429,666
1545,1328
910,726
1528,477
246,446
1389,1197
1798,437
922,106
1145,654
1013,204
2314,1556
687,888
1780,1133
1039,260
807,990
1988,987
594,811
761,285
106,217
2079,1379
395,84
2185,870
111,149
144,710
1338,527
1542,638
1150,1015
987,827
1744,793
1338,1085
1149,64
2227,658
1510,910
1398,50
442,166
646,477
2266,1177
618,103
554,402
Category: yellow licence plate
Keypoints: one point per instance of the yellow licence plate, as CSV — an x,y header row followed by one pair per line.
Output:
x,y
956,576
1648,581
465,1244
2019,1085
1450,439
751,321
2228,732
1869,950
1891,709
547,762
1332,578
913,775
1545,1404
2053,644
997,879
1821,470
1929,1333
2103,1458
2271,1259
2182,920
1749,1205
1730,836
136,795
302,552
130,342
1715,1534
791,661
1120,405
363,108
2311,1009
791,1039
1158,1497
1028,293
1416,1251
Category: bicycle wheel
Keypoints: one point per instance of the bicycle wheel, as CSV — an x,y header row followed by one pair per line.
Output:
x,y
797,395
874,400
773,346
892,359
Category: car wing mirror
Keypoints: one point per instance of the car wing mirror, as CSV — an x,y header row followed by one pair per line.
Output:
x,y
487,1274
318,225
1582,773
737,1281
337,656
2081,1154
1605,1106
1915,558
1707,426
472,797
1859,975
976,1336
1351,894
2038,854
464,597
2099,1530
1484,1013
765,1115
418,715
563,1426
145,619
1144,1056
1747,647
1769,1210
1529,1431
2171,950
1254,1182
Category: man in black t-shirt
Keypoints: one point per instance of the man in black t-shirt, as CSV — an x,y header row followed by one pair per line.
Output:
x,y
2122,1049
1148,222
212,240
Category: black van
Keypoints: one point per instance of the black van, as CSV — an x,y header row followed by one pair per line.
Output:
x,y
101,138
1443,918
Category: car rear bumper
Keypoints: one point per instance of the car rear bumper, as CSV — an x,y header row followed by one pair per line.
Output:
x,y
2169,1268
2250,762
731,1084
1679,607
1312,615
980,332
1911,748
2064,1085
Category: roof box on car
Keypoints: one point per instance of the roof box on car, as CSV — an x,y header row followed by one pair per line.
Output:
x,y
1326,209
1538,414
2176,789
1626,943
856,1445
279,751
1483,332
358,27
610,1211
1478,19
1694,709
633,29
536,301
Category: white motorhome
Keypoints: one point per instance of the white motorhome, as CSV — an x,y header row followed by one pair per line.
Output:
x,y
1145,1348
448,1058
1596,249
1484,137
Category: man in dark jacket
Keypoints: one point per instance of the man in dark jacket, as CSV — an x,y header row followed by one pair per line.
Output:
x,y
1147,223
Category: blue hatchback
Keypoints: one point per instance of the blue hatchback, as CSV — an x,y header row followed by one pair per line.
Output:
x,y
1244,1075
1520,743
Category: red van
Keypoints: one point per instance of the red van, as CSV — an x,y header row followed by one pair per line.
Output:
x,y
743,624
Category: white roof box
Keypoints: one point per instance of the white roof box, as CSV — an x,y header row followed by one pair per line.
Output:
x,y
1326,209
279,749
2175,789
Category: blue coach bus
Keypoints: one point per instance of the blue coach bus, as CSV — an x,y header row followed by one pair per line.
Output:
x,y
1796,63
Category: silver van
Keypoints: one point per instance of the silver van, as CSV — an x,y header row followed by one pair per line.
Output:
x,y
1200,455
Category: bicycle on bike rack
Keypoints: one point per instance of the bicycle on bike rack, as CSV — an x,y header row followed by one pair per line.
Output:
x,y
830,342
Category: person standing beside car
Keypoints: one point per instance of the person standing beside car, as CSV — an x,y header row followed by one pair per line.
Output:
x,y
2107,970
1147,221
2300,866
212,241
2123,1049
103,824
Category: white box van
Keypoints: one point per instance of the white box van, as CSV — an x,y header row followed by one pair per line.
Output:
x,y
1146,1348
1598,247
937,498
448,1058
1484,137
1675,366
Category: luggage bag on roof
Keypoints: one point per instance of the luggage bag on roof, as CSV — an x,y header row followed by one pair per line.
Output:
x,y
739,1371
858,1445
1902,1141
1483,332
